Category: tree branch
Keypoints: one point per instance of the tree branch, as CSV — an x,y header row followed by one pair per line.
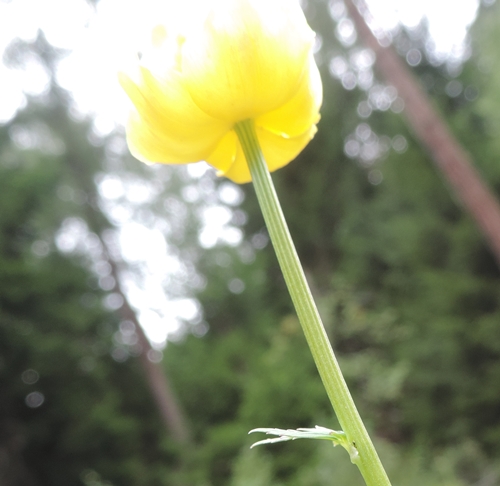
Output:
x,y
450,157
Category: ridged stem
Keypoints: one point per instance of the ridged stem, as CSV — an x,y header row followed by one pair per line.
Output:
x,y
367,458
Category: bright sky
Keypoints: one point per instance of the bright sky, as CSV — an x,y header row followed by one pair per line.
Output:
x,y
103,40
448,19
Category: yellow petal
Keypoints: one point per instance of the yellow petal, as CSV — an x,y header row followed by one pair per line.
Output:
x,y
278,151
248,58
302,111
223,157
237,170
168,126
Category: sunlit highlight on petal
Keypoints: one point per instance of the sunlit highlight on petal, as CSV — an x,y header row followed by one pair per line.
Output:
x,y
248,58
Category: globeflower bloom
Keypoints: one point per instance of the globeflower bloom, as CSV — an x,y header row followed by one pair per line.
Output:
x,y
235,60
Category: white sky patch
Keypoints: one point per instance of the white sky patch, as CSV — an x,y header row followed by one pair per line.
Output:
x,y
22,18
111,187
216,227
230,193
448,20
137,241
159,324
157,327
158,315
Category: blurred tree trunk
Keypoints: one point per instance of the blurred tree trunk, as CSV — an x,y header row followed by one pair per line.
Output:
x,y
450,157
164,396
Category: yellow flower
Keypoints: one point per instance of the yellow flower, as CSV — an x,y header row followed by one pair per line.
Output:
x,y
237,60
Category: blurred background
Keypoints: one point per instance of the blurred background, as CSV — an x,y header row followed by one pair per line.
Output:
x,y
145,327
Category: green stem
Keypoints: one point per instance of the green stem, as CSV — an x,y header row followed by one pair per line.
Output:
x,y
368,461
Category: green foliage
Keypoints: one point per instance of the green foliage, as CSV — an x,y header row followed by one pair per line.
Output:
x,y
252,468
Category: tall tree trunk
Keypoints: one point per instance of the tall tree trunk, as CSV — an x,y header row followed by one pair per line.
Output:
x,y
450,157
159,384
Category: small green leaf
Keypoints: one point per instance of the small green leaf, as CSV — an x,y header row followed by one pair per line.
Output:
x,y
321,433
338,437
